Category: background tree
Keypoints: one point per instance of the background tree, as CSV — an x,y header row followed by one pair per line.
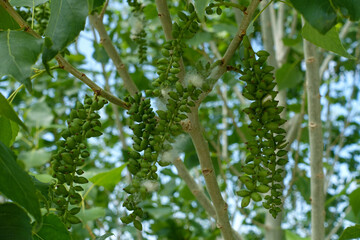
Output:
x,y
192,144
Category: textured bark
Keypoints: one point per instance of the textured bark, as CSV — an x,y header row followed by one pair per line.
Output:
x,y
316,141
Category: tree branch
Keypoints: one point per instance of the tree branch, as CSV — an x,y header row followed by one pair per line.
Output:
x,y
208,172
316,141
218,71
62,62
105,40
194,188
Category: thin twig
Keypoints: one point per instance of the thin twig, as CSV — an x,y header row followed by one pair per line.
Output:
x,y
110,49
237,129
194,188
62,62
103,10
338,225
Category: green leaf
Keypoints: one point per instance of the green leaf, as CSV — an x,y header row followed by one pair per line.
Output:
x,y
67,19
288,76
159,212
18,53
352,218
95,5
7,111
100,54
34,158
52,228
42,187
330,41
319,13
303,185
150,11
14,223
16,184
39,115
105,236
348,8
354,201
9,131
26,3
91,214
293,236
108,179
200,6
6,21
199,38
351,232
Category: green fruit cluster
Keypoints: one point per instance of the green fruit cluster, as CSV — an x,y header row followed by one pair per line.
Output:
x,y
139,38
71,155
41,17
261,170
188,24
169,65
153,135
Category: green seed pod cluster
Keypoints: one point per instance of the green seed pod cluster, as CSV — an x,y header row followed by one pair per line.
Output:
x,y
140,40
41,17
153,135
71,155
215,7
188,24
169,65
261,170
140,36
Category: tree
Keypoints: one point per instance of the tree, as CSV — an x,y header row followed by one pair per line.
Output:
x,y
179,119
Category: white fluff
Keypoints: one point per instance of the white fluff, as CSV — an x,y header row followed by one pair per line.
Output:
x,y
151,185
194,79
137,25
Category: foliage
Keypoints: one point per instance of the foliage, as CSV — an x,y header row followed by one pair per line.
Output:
x,y
201,118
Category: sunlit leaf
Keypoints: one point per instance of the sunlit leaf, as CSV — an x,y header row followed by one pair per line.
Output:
x,y
108,179
91,214
7,111
39,115
330,41
26,3
200,6
105,236
8,130
34,158
352,232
